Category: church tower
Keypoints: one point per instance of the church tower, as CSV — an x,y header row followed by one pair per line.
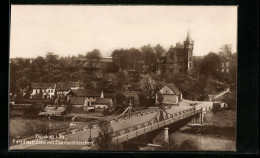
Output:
x,y
188,51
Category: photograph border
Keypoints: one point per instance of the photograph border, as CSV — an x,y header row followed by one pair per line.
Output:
x,y
248,32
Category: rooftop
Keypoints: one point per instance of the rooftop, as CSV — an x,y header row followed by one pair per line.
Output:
x,y
43,85
87,92
77,101
64,86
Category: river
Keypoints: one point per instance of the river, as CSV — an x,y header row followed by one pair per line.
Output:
x,y
195,142
205,142
21,127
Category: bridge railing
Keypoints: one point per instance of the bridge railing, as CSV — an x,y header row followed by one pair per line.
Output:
x,y
155,120
127,133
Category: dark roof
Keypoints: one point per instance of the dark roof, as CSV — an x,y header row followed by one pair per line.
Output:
x,y
64,86
98,65
70,92
102,101
77,101
102,60
173,88
87,92
42,85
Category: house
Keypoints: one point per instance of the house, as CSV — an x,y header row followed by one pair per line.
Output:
x,y
103,103
90,94
171,94
44,89
79,102
90,99
64,88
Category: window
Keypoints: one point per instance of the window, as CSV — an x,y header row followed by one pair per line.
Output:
x,y
189,65
165,91
171,56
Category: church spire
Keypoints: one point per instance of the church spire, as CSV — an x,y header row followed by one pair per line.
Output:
x,y
188,39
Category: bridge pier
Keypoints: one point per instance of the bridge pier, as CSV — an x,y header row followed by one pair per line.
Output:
x,y
166,134
201,118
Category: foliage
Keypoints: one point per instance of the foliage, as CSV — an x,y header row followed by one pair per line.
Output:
x,y
122,80
104,140
135,59
208,67
148,55
94,55
123,98
148,86
160,98
226,51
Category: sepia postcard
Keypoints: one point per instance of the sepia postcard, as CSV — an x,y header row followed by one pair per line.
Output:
x,y
123,78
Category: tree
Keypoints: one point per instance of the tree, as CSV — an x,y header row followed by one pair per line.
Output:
x,y
125,97
160,98
134,57
208,67
148,55
158,49
226,50
148,86
104,140
120,58
38,65
23,85
122,80
94,55
52,70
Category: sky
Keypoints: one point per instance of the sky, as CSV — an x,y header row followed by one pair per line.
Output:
x,y
77,29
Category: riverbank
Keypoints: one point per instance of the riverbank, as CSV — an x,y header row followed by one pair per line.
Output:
x,y
221,123
218,132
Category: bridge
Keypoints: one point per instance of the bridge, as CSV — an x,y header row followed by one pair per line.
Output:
x,y
126,126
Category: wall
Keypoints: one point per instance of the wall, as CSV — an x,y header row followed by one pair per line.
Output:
x,y
44,92
170,99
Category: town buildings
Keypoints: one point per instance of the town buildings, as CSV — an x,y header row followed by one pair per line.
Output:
x,y
171,94
49,90
43,89
90,99
178,59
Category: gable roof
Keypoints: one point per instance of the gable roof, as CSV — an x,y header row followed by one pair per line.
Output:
x,y
77,101
65,86
87,92
102,101
174,88
42,85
